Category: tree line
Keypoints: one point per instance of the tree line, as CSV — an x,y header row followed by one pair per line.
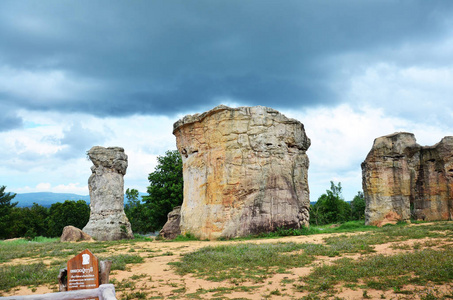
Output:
x,y
146,215
149,214
38,220
332,208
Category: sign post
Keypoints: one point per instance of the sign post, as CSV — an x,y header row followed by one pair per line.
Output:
x,y
83,271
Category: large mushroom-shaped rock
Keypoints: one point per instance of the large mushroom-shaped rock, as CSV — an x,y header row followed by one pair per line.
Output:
x,y
245,172
402,179
106,184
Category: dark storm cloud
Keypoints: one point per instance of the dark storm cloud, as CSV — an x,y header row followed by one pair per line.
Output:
x,y
168,57
8,118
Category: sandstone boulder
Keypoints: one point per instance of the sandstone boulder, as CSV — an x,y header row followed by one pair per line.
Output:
x,y
74,234
171,228
245,171
106,184
402,179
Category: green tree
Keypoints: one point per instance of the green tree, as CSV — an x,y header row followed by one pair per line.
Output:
x,y
75,213
137,212
29,222
330,207
5,201
319,212
5,212
37,225
358,207
132,197
165,189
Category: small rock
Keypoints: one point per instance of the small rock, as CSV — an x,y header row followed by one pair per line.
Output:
x,y
74,234
171,228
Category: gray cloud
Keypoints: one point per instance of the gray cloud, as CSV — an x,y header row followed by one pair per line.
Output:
x,y
9,119
77,140
10,122
113,58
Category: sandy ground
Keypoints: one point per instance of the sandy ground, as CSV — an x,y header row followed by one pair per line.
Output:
x,y
155,278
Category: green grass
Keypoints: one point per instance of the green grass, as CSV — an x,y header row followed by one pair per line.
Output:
x,y
120,261
185,238
36,274
390,234
220,291
33,274
250,261
361,243
386,272
39,273
257,262
142,238
351,226
45,247
22,241
280,232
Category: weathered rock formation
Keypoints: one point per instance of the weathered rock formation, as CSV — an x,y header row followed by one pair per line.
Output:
x,y
245,171
171,228
402,179
106,184
74,234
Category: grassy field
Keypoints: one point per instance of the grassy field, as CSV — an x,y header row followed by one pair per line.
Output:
x,y
346,262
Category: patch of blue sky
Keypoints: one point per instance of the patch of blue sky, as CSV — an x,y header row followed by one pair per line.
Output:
x,y
29,124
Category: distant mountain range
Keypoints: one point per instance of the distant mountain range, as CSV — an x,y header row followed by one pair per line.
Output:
x,y
46,199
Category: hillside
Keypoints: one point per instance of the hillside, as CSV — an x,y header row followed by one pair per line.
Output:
x,y
46,199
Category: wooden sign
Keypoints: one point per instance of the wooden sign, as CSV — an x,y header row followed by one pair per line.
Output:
x,y
83,271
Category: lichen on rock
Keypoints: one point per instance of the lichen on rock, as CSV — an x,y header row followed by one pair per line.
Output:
x,y
245,172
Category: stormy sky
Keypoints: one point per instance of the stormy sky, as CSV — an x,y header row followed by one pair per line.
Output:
x,y
75,74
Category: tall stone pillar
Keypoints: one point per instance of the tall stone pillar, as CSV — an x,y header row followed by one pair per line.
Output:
x,y
245,172
106,184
